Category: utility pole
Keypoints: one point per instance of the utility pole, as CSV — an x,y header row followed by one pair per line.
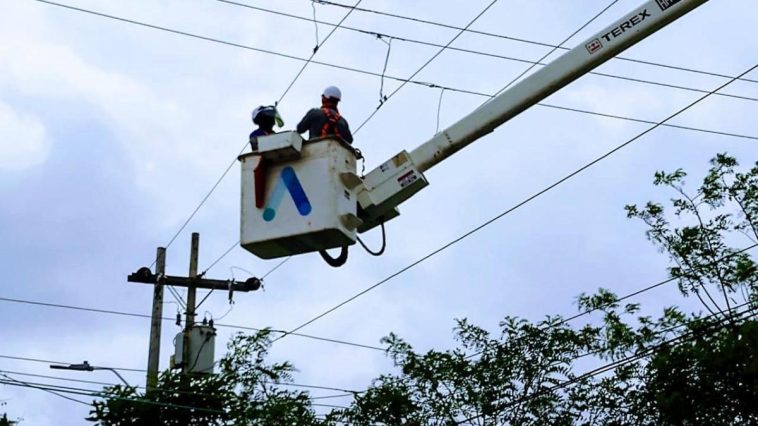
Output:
x,y
190,350
189,322
154,353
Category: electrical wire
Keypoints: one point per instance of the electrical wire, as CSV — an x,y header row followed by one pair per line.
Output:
x,y
371,73
557,47
55,389
107,384
146,316
532,42
297,385
421,68
382,35
99,394
517,206
14,382
315,50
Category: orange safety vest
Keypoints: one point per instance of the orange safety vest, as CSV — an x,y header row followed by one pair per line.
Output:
x,y
330,127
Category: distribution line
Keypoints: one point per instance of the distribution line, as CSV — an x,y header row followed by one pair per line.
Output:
x,y
297,385
15,382
479,52
57,389
107,384
532,42
371,73
515,79
98,394
421,68
146,316
315,50
517,206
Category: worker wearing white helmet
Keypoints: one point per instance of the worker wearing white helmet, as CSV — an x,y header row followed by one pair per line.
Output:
x,y
265,117
326,121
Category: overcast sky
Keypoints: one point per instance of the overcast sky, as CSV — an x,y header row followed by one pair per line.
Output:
x,y
111,134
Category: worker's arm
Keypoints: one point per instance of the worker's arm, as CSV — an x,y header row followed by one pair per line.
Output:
x,y
344,129
305,124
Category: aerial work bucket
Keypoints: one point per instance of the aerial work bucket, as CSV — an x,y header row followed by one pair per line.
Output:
x,y
298,196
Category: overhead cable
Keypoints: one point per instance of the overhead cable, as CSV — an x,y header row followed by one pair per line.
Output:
x,y
424,65
315,49
366,72
137,315
383,35
545,56
517,206
533,42
297,385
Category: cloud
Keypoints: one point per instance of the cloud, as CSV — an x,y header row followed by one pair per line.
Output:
x,y
23,140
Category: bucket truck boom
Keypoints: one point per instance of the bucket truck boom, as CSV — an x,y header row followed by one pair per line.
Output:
x,y
330,203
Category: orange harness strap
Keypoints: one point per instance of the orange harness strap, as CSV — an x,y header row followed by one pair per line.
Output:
x,y
330,127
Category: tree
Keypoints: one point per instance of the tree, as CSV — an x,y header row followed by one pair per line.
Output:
x,y
624,368
247,390
678,368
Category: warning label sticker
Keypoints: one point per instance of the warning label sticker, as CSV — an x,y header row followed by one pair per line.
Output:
x,y
665,4
594,46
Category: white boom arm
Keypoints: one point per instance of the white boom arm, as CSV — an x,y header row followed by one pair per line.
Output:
x,y
401,177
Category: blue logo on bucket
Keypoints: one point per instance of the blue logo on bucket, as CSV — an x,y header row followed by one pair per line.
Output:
x,y
287,180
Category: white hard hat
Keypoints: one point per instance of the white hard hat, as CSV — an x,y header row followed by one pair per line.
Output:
x,y
333,92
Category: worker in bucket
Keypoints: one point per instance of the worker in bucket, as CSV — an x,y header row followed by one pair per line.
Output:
x,y
265,117
326,121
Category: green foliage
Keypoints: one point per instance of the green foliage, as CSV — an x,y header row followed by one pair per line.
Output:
x,y
245,391
717,214
623,367
528,374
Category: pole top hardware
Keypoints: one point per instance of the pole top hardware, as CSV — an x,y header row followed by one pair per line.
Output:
x,y
145,276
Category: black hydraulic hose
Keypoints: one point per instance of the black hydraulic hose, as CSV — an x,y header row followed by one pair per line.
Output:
x,y
335,262
381,250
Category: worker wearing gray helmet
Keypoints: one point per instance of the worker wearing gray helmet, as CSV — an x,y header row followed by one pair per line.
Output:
x,y
326,121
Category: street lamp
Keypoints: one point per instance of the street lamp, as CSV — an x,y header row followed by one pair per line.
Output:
x,y
85,366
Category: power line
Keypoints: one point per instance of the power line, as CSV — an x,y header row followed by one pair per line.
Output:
x,y
107,384
99,394
374,74
315,50
137,315
557,47
15,382
136,370
532,42
517,206
421,68
487,54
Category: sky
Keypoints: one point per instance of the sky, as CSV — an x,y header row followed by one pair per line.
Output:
x,y
111,134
